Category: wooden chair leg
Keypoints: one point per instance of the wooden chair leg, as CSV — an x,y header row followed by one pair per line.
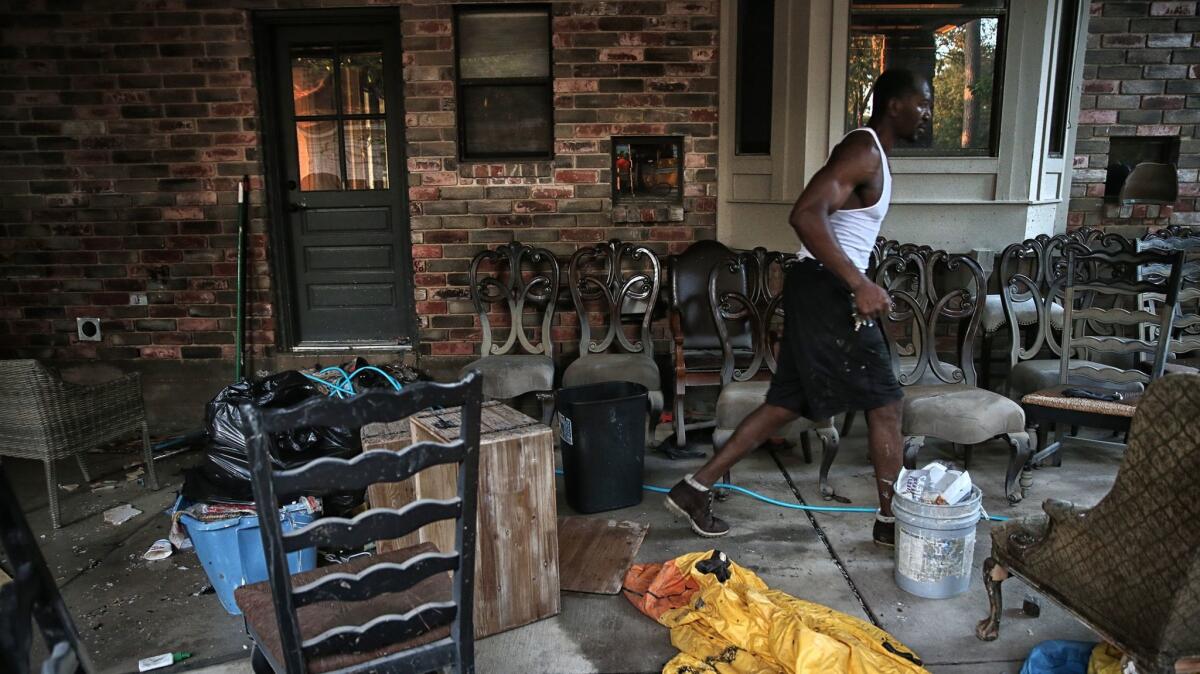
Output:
x,y
52,488
993,574
1019,454
148,452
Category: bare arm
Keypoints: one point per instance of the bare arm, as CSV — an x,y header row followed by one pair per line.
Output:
x,y
854,162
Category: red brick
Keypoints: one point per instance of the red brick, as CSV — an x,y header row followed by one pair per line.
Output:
x,y
1173,8
431,308
1097,116
554,192
439,178
623,54
534,206
452,348
1100,87
576,176
425,251
576,86
423,193
160,352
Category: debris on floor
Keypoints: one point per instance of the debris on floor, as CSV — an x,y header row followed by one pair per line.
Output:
x,y
594,554
719,612
160,661
160,550
120,514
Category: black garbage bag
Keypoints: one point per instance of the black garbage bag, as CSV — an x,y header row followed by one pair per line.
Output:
x,y
224,475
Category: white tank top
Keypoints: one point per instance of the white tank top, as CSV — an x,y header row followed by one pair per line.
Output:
x,y
855,229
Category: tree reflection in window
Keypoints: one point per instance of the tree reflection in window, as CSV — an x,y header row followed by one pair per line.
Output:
x,y
953,45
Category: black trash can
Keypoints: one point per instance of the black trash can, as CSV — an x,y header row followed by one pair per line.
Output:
x,y
603,430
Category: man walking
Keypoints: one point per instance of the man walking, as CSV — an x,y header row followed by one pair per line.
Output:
x,y
828,363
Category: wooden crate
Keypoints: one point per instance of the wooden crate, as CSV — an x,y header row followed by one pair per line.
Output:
x,y
516,563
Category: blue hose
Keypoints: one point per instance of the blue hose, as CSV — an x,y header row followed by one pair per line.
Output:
x,y
346,388
791,506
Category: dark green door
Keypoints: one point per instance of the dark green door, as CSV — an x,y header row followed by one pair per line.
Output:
x,y
341,154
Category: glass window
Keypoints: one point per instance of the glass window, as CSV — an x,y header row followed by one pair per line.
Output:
x,y
341,122
1064,66
505,90
756,53
957,46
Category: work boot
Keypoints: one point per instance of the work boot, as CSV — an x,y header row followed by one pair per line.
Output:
x,y
884,533
692,500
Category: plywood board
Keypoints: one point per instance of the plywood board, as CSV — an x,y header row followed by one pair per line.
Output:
x,y
594,554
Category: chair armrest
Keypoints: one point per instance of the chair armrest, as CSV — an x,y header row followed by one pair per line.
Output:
x,y
1065,515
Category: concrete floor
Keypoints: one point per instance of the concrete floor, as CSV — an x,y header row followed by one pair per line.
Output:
x,y
127,608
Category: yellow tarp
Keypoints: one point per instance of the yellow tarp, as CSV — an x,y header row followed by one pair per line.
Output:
x,y
1106,659
744,627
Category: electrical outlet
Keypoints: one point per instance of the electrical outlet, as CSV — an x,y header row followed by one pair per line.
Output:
x,y
138,299
88,329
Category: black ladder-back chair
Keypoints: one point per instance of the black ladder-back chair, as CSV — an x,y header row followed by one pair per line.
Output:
x,y
385,629
1088,328
32,595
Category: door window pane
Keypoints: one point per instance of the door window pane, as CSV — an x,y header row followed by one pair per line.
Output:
x,y
506,120
955,51
319,154
362,84
366,155
504,44
312,85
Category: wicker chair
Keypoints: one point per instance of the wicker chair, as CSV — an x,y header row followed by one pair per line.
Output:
x,y
47,419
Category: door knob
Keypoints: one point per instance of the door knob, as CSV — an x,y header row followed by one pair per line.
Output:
x,y
297,206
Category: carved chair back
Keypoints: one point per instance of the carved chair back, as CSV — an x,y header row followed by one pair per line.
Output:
x,y
519,280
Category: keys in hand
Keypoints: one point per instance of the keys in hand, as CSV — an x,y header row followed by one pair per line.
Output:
x,y
859,320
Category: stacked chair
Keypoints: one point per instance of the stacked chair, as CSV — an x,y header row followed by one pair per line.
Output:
x,y
941,398
744,387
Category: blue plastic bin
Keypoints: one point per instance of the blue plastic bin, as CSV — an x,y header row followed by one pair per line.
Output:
x,y
232,553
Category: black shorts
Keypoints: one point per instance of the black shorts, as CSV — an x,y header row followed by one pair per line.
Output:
x,y
825,366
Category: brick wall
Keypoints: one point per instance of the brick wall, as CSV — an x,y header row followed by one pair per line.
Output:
x,y
1141,78
123,134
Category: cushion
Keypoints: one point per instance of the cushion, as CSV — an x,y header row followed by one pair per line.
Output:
x,y
739,398
594,368
509,376
993,314
259,609
1028,376
961,414
710,360
1052,397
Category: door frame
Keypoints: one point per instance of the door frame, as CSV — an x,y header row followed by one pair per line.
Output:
x,y
265,24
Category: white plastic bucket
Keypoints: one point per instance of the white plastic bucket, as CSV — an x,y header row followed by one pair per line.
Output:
x,y
935,545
